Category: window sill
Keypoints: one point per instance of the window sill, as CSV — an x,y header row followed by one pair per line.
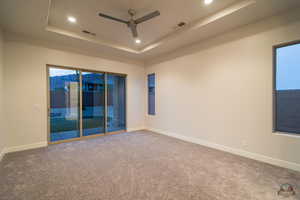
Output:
x,y
286,134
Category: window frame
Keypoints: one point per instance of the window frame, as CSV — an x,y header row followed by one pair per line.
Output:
x,y
148,94
275,114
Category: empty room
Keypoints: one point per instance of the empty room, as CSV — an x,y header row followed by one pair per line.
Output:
x,y
149,99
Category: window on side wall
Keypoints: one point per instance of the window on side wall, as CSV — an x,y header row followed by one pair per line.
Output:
x,y
287,88
151,94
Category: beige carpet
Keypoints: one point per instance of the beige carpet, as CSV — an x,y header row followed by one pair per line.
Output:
x,y
138,166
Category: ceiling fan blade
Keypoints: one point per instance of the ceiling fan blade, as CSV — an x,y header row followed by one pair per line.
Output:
x,y
134,30
113,18
147,17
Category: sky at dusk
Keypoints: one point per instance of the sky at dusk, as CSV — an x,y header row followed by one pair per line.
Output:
x,y
288,68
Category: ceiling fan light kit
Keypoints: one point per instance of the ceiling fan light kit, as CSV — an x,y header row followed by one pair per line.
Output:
x,y
137,40
132,23
72,19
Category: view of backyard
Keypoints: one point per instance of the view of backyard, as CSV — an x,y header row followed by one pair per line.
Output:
x,y
64,104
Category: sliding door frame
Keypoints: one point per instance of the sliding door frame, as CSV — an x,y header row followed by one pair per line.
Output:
x,y
82,137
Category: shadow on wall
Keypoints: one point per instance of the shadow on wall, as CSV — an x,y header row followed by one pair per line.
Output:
x,y
229,36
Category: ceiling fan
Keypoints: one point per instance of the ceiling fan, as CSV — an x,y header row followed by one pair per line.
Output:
x,y
132,23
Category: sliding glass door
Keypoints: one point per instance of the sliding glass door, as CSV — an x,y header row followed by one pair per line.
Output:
x,y
64,104
84,103
116,102
93,103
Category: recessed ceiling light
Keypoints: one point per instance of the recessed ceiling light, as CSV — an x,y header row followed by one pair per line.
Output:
x,y
138,41
208,1
72,19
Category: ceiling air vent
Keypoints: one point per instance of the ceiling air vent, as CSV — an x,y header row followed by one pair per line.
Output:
x,y
88,32
180,25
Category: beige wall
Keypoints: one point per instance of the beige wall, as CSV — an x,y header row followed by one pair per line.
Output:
x,y
2,132
220,92
25,78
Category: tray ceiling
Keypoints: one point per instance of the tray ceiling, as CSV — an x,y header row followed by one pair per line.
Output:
x,y
47,20
86,12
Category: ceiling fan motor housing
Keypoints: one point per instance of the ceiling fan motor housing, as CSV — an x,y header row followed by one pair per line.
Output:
x,y
131,12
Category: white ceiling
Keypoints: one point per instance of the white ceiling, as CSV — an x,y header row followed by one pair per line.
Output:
x,y
87,14
46,20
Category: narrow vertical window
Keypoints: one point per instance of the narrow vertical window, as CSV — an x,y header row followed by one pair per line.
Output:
x,y
151,94
287,88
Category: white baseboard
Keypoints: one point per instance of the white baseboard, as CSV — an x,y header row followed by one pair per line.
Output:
x,y
25,147
240,152
135,129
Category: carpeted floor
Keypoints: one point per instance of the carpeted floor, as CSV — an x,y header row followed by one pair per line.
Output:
x,y
138,166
